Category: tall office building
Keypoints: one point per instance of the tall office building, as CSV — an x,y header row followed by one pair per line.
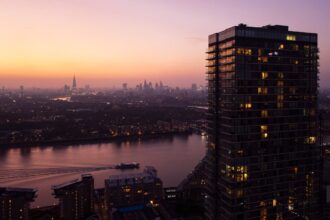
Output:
x,y
74,83
263,157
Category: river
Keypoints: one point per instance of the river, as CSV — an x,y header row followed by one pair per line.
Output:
x,y
41,167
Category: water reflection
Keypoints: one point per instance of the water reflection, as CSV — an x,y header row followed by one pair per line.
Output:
x,y
165,153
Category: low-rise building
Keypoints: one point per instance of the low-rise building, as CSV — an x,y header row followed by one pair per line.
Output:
x,y
133,190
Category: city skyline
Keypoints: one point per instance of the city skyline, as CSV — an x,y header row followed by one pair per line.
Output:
x,y
107,43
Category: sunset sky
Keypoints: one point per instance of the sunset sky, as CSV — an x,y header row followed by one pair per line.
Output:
x,y
108,42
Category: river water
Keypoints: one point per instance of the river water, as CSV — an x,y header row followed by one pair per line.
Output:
x,y
41,167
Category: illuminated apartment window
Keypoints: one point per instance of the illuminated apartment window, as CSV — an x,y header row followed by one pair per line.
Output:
x,y
237,173
263,59
280,83
281,47
290,37
127,190
264,113
246,105
280,98
248,52
274,202
264,131
263,128
290,203
244,51
262,91
264,75
240,152
295,170
263,211
240,51
296,62
311,140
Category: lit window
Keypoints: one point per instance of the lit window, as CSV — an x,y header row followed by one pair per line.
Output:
x,y
281,47
280,98
262,91
127,190
296,62
311,140
291,37
263,59
280,75
295,170
264,75
246,105
264,113
242,51
248,52
274,202
280,83
240,152
264,130
290,203
259,90
263,211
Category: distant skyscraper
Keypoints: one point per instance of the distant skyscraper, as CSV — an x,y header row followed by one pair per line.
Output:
x,y
21,91
263,153
125,86
74,83
194,87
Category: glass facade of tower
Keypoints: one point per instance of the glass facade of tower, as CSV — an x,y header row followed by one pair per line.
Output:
x,y
263,157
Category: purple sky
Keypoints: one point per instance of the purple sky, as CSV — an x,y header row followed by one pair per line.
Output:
x,y
107,42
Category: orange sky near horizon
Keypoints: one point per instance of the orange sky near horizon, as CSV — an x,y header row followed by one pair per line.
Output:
x,y
44,43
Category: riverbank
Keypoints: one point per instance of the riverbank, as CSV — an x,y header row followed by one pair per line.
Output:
x,y
92,140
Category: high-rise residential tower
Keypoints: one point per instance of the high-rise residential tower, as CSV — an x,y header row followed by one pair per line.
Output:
x,y
15,203
263,157
76,198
